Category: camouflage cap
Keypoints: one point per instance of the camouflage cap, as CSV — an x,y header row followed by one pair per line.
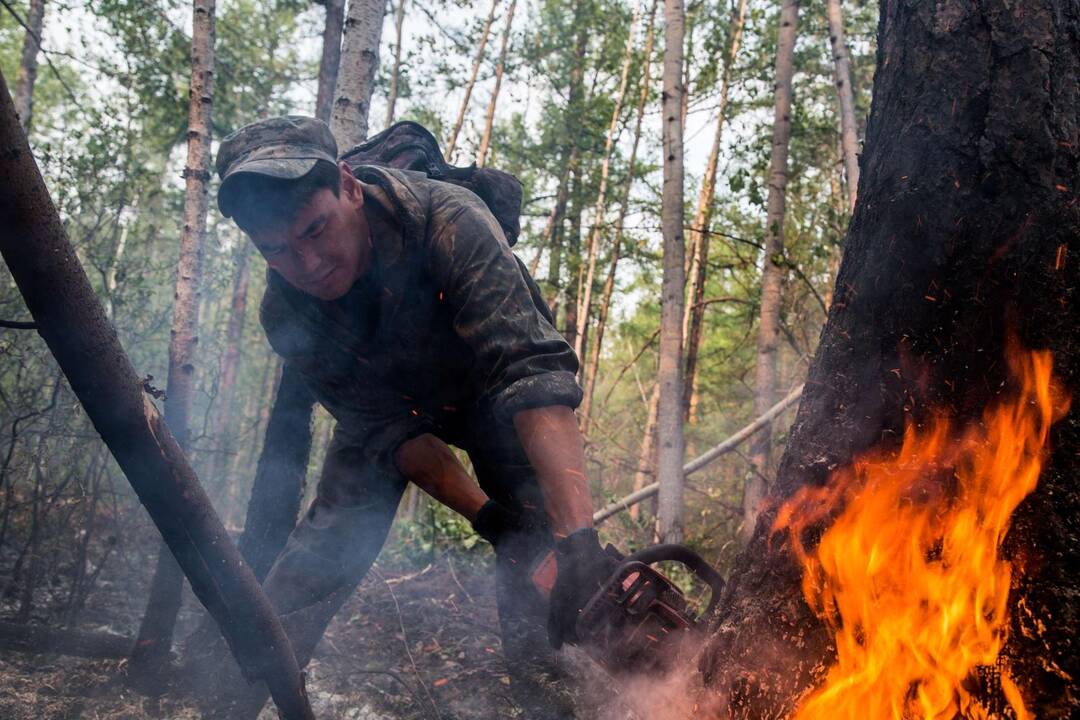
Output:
x,y
282,147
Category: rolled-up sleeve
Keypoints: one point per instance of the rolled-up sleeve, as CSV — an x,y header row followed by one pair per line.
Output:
x,y
522,361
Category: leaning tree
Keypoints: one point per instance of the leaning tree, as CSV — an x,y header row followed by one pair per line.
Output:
x,y
966,233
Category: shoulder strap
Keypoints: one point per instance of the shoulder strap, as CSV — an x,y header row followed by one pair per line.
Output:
x,y
410,146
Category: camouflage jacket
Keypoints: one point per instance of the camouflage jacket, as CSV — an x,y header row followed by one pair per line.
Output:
x,y
445,321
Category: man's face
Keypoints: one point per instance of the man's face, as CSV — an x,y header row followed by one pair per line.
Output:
x,y
326,247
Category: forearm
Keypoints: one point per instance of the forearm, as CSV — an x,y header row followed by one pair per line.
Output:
x,y
556,451
431,465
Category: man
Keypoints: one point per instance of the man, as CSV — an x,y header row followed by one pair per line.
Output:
x,y
398,300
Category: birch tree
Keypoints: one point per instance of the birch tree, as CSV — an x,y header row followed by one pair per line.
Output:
x,y
585,296
849,142
500,68
331,57
28,62
772,277
478,60
669,413
395,71
155,634
356,72
694,316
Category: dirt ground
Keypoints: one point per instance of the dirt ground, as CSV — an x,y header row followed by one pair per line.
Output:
x,y
414,644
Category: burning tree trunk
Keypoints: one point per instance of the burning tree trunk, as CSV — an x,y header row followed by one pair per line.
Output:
x,y
73,324
451,142
24,81
155,635
772,277
849,141
331,57
669,416
500,68
356,72
965,232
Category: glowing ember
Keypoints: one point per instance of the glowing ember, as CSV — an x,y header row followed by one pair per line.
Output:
x,y
909,576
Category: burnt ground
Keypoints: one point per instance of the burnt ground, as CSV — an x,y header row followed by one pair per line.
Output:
x,y
412,643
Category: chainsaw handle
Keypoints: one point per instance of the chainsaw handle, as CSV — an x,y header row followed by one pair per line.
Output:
x,y
684,555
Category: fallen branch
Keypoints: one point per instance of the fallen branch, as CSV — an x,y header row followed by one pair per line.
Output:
x,y
704,459
73,324
83,643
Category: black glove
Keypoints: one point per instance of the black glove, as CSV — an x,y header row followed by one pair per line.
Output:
x,y
584,568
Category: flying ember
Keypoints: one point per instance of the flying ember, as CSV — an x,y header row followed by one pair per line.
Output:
x,y
909,577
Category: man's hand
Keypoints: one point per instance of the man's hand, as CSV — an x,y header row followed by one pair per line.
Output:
x,y
584,567
556,451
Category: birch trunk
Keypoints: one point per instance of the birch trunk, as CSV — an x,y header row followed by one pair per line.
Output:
x,y
773,274
646,466
849,141
356,72
72,322
451,142
156,632
489,122
585,412
27,75
395,72
693,318
331,57
584,305
673,288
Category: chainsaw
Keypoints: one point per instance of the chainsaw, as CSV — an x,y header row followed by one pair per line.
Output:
x,y
639,621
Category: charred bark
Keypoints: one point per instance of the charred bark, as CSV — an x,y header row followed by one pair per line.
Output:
x,y
966,228
73,324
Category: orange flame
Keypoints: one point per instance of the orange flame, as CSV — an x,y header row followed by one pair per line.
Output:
x,y
909,576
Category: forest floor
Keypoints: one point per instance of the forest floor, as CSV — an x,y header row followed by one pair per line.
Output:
x,y
411,644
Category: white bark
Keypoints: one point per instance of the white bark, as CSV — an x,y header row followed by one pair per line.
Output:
x,y
585,296
451,142
395,74
773,272
489,121
673,287
849,142
27,75
356,73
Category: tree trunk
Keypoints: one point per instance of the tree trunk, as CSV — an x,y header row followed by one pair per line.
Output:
x,y
646,466
27,75
356,72
331,57
849,141
584,305
73,324
155,634
279,478
585,411
965,232
489,122
694,317
451,142
669,415
395,72
772,277
224,431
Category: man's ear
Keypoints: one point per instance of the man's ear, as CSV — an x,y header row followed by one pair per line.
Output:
x,y
350,186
